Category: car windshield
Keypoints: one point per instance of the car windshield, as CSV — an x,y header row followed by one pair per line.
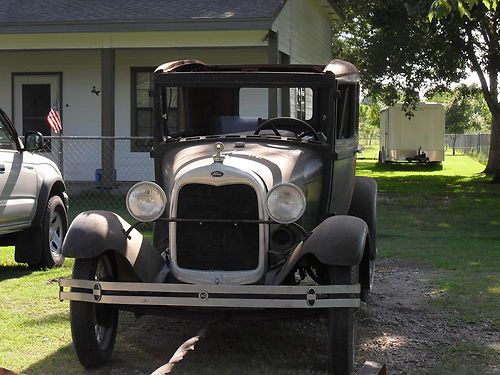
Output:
x,y
197,111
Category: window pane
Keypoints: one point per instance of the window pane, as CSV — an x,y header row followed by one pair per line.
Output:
x,y
143,80
143,99
143,123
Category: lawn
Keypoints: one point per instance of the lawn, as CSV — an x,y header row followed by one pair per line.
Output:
x,y
443,219
448,219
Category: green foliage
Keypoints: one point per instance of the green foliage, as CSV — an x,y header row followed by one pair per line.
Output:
x,y
398,50
466,110
404,47
442,8
369,120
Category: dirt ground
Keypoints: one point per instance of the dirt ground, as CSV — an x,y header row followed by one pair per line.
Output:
x,y
404,330
399,327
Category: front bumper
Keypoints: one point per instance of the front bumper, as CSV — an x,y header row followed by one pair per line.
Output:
x,y
220,296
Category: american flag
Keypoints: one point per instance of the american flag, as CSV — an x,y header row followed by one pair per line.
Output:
x,y
54,120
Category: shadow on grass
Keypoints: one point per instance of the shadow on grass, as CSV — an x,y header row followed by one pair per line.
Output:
x,y
13,271
48,319
242,348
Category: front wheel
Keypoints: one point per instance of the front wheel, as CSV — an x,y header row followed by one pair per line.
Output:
x,y
342,324
93,326
54,228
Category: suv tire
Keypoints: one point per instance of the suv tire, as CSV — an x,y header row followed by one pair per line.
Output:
x,y
54,228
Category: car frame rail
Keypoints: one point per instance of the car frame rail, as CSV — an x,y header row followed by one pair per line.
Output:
x,y
231,296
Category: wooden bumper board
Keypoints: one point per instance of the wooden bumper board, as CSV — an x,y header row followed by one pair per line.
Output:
x,y
241,296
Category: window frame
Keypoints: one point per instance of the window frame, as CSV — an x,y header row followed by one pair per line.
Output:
x,y
11,133
135,144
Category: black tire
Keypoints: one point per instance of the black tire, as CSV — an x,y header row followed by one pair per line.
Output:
x,y
381,159
93,326
54,228
342,324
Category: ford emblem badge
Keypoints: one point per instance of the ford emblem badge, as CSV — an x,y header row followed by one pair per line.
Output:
x,y
217,174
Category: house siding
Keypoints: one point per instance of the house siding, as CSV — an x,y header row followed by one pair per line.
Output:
x,y
304,32
174,39
81,71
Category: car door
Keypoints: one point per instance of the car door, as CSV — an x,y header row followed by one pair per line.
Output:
x,y
18,180
346,147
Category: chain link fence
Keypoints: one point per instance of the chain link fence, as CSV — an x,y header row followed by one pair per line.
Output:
x,y
99,171
475,145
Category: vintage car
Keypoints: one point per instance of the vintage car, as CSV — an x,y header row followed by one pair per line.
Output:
x,y
33,199
255,215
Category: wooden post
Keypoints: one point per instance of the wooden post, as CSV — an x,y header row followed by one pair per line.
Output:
x,y
273,58
372,368
108,116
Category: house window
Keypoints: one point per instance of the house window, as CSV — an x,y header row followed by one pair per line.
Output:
x,y
303,103
142,109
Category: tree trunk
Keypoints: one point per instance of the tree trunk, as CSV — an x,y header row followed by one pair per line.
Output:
x,y
493,165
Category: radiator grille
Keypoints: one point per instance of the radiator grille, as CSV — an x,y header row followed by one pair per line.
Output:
x,y
217,246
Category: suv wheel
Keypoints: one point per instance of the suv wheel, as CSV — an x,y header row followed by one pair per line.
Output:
x,y
54,228
342,324
93,326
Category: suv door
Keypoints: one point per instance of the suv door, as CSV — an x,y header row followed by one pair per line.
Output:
x,y
18,180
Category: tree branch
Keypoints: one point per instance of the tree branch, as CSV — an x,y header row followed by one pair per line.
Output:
x,y
476,66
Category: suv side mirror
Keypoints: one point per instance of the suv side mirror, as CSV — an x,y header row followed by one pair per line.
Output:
x,y
34,141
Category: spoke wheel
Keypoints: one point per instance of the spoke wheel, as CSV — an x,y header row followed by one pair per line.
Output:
x,y
93,326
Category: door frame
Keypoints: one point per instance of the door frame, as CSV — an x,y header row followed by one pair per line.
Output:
x,y
58,75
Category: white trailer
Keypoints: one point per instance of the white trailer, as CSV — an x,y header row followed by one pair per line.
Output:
x,y
419,139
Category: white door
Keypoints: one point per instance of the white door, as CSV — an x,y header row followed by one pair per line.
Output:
x,y
18,182
34,95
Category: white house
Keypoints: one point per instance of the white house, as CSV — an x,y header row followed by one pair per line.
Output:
x,y
94,59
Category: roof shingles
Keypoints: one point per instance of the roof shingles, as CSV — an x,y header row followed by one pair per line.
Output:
x,y
98,11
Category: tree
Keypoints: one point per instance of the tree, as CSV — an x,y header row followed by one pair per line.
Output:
x,y
465,111
369,120
400,51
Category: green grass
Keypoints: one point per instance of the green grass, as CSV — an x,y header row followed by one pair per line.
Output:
x,y
443,219
448,219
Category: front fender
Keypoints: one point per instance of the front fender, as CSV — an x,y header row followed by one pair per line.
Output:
x,y
337,241
94,232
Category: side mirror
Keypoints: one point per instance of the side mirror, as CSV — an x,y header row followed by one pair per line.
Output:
x,y
34,141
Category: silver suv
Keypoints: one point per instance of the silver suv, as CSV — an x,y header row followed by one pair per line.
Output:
x,y
33,199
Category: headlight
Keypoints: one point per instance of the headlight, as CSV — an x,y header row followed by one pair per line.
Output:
x,y
146,201
285,203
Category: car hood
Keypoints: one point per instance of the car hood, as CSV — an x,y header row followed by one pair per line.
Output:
x,y
272,162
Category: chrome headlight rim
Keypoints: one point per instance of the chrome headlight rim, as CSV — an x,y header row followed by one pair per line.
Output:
x,y
302,198
161,207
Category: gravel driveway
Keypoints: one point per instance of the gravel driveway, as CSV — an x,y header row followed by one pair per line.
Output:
x,y
404,330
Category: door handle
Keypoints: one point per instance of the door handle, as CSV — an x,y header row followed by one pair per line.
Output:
x,y
2,168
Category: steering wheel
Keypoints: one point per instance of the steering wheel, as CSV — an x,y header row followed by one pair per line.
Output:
x,y
295,125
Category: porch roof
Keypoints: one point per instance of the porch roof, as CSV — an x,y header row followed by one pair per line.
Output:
x,y
39,16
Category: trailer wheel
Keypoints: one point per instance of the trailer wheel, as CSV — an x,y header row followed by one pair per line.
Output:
x,y
381,158
93,326
342,324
